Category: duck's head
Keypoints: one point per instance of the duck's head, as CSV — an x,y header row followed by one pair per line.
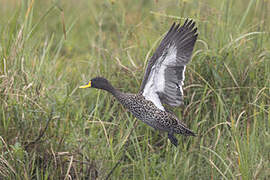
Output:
x,y
98,83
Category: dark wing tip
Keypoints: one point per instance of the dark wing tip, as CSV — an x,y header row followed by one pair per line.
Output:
x,y
196,36
189,22
176,28
186,22
195,30
172,27
189,25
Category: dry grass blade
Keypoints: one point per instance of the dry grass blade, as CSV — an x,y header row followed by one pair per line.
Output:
x,y
69,167
5,162
222,160
119,62
220,172
231,74
29,9
105,131
7,148
259,94
166,15
238,119
131,60
219,124
229,45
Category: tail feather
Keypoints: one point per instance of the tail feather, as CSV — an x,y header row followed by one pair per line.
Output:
x,y
182,129
189,132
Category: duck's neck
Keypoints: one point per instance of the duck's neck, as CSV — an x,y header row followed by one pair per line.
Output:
x,y
120,96
109,88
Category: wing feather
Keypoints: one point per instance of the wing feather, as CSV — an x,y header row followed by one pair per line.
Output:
x,y
165,72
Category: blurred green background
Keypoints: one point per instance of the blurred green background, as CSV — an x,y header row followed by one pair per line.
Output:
x,y
50,129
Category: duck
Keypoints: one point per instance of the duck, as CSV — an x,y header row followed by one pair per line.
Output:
x,y
162,83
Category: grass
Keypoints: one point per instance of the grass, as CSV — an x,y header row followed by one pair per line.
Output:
x,y
49,129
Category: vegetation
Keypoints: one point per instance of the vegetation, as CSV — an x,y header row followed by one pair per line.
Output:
x,y
50,129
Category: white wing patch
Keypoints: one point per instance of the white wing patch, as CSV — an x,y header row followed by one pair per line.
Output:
x,y
156,81
149,91
182,82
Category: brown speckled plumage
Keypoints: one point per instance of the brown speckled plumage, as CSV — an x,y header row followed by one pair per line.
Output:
x,y
151,115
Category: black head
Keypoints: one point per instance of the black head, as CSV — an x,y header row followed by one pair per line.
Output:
x,y
99,83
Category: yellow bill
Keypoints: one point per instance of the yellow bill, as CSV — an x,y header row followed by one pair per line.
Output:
x,y
86,86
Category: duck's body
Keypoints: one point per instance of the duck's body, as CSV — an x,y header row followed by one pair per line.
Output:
x,y
158,119
162,83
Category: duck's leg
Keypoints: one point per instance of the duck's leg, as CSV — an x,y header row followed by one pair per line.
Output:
x,y
173,139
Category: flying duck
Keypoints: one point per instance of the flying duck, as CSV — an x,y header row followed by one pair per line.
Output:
x,y
162,83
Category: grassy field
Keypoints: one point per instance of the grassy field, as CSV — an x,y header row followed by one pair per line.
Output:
x,y
50,129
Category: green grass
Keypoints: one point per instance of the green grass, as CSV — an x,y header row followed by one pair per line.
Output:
x,y
50,129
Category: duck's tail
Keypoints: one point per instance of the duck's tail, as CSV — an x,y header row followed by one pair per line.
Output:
x,y
182,129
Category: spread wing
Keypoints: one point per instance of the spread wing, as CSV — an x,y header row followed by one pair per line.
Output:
x,y
165,72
